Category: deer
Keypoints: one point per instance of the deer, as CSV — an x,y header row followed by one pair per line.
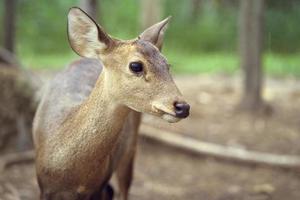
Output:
x,y
86,125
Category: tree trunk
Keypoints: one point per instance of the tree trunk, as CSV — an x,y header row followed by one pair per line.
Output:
x,y
150,12
9,25
8,59
251,46
90,7
196,6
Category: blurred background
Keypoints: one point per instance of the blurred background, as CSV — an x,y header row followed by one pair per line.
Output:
x,y
236,61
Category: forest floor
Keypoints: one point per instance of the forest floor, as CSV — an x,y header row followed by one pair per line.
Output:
x,y
165,173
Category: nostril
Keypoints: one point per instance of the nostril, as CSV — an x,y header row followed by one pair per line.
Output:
x,y
182,110
178,106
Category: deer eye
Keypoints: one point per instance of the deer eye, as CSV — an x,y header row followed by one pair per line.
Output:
x,y
136,67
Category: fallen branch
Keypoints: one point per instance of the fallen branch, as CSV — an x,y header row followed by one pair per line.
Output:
x,y
187,144
16,158
219,151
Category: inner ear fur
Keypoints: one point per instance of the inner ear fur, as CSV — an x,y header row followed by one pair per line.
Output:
x,y
155,33
86,37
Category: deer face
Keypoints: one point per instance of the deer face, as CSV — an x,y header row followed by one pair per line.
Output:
x,y
136,74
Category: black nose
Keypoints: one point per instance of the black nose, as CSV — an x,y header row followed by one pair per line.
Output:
x,y
182,110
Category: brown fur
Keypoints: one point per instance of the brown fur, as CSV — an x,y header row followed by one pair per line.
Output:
x,y
87,122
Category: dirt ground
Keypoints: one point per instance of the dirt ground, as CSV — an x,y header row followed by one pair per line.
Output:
x,y
165,173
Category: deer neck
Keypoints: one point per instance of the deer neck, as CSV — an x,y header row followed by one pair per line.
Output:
x,y
100,119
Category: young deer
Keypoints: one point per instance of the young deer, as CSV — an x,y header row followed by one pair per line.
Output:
x,y
86,124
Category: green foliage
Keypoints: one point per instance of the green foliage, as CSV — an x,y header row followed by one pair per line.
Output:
x,y
212,27
282,64
283,30
194,36
120,18
42,25
203,62
1,20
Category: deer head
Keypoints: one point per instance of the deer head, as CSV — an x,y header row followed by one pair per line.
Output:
x,y
136,74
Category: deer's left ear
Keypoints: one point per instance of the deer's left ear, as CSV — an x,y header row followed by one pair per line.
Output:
x,y
155,33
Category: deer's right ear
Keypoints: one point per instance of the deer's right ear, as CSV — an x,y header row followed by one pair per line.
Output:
x,y
86,38
155,33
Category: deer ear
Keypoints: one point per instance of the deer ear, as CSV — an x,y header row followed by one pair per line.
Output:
x,y
86,38
155,33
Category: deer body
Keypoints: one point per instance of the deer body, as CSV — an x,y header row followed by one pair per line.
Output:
x,y
76,162
86,124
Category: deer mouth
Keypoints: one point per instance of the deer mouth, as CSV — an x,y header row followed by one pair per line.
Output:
x,y
166,114
170,118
